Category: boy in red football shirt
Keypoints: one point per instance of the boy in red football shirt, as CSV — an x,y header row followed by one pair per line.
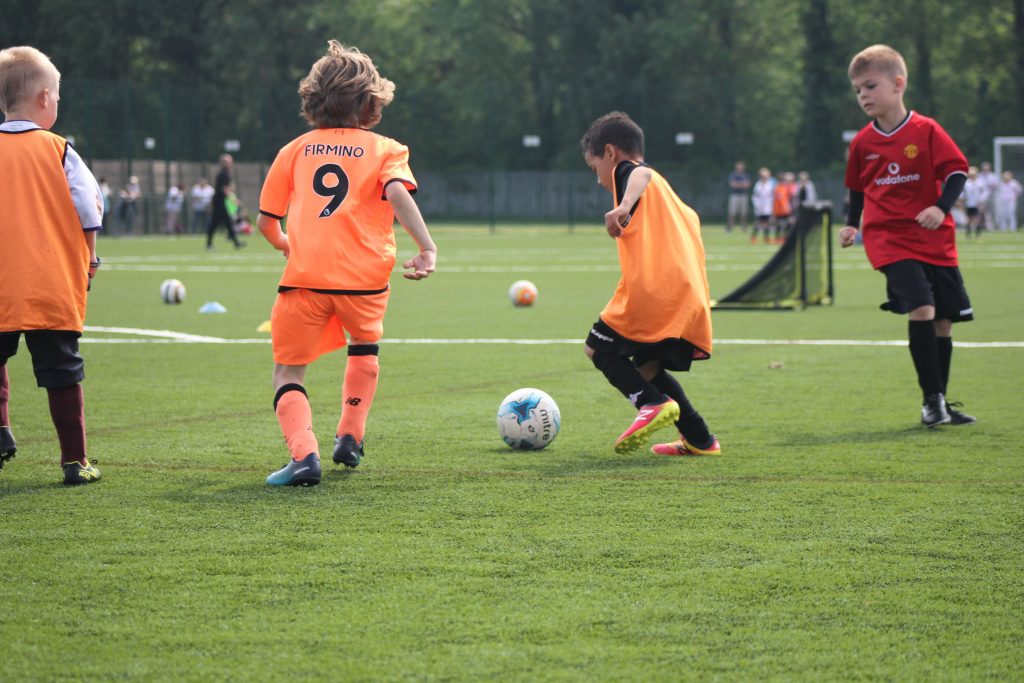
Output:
x,y
341,187
904,174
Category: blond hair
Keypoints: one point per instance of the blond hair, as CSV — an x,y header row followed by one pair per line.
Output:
x,y
343,89
24,71
880,58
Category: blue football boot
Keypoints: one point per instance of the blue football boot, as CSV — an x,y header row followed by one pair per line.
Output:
x,y
305,472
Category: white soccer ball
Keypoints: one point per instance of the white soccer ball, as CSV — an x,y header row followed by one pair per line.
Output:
x,y
522,293
172,291
528,419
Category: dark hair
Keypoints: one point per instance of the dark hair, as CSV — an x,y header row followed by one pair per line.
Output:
x,y
615,129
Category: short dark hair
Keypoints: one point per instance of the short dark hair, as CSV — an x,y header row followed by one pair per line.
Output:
x,y
615,129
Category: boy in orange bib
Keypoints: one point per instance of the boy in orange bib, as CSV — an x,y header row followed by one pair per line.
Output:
x,y
341,187
659,318
52,209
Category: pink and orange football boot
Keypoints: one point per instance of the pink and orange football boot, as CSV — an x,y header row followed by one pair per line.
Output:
x,y
649,419
684,447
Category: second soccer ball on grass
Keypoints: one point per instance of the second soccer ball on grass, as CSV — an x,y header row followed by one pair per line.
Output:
x,y
172,291
522,293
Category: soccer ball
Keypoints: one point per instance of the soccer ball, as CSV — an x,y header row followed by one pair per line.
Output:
x,y
528,419
172,291
522,293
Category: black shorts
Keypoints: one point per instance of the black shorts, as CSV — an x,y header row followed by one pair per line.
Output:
x,y
911,284
972,211
55,358
672,354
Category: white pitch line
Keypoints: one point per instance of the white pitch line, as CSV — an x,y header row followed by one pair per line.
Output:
x,y
170,337
165,334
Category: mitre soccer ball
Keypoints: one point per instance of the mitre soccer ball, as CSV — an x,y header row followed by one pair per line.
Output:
x,y
522,293
528,419
172,291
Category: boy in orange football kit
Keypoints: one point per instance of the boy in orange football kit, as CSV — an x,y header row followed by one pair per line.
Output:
x,y
659,318
341,187
52,208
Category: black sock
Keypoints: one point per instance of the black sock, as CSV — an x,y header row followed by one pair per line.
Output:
x,y
945,345
690,425
924,350
624,376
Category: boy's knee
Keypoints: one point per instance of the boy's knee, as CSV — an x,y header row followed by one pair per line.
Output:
x,y
926,312
650,370
601,359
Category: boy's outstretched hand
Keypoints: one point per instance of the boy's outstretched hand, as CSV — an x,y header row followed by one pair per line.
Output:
x,y
616,219
422,265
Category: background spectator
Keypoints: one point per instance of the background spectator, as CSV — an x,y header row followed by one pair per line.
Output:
x,y
172,208
128,205
989,181
739,185
201,196
1007,194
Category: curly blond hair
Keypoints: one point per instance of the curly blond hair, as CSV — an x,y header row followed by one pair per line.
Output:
x,y
344,90
24,71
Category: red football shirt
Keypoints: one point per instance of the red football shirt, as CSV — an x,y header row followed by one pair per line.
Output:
x,y
901,173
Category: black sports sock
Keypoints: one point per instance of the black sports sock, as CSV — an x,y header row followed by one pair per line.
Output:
x,y
690,424
624,376
945,345
924,350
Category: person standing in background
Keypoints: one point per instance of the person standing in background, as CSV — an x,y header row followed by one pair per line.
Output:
x,y
739,185
172,209
1007,193
201,195
989,181
223,185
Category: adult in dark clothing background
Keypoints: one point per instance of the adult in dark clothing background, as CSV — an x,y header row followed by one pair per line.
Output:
x,y
222,186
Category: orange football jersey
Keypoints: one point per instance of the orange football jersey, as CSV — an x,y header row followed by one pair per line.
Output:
x,y
330,184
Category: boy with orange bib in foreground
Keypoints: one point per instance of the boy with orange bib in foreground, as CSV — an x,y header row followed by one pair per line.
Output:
x,y
659,318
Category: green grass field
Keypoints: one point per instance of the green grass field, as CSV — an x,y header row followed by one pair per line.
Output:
x,y
834,539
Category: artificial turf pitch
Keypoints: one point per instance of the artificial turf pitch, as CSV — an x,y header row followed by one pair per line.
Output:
x,y
835,538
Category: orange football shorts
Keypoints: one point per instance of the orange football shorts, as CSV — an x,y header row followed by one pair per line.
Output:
x,y
304,324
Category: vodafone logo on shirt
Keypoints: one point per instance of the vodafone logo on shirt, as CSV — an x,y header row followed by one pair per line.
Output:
x,y
894,177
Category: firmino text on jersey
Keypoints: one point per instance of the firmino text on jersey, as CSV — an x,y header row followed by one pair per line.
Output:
x,y
333,150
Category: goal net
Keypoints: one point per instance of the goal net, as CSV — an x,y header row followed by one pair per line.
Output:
x,y
799,274
1008,155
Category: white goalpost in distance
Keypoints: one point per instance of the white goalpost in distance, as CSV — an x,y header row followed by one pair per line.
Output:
x,y
1008,158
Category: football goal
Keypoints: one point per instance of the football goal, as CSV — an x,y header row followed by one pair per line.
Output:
x,y
799,274
1008,155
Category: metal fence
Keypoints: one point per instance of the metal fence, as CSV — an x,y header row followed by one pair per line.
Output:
x,y
487,197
